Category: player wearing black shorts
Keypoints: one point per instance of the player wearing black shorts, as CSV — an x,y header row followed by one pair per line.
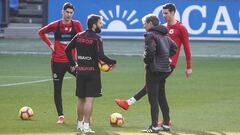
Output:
x,y
64,30
89,48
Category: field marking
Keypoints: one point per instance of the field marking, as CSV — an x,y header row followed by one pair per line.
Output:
x,y
21,52
181,133
129,133
30,82
21,76
217,56
125,54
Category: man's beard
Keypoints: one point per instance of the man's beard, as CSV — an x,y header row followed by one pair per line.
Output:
x,y
98,30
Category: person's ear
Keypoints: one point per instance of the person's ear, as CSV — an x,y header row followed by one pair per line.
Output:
x,y
94,26
151,23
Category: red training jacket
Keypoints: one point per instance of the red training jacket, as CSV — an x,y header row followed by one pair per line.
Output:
x,y
179,34
59,54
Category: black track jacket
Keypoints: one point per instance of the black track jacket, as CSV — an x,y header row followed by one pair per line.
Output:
x,y
159,47
89,48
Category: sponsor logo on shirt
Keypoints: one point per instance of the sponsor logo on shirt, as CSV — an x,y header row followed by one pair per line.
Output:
x,y
84,58
85,41
65,42
85,68
171,31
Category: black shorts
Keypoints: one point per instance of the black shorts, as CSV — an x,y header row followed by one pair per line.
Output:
x,y
88,85
60,68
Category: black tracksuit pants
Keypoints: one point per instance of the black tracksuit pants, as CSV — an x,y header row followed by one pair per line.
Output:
x,y
142,92
155,87
58,71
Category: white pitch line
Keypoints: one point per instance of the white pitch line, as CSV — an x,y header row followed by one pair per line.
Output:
x,y
31,82
22,76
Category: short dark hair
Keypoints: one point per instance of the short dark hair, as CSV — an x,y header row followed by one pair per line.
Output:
x,y
151,18
170,6
68,5
92,19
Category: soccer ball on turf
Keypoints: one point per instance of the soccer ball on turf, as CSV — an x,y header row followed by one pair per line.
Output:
x,y
116,120
26,113
104,66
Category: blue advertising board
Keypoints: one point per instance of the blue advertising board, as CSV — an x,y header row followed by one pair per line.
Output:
x,y
204,19
1,12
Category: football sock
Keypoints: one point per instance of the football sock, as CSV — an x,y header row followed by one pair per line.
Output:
x,y
131,101
80,124
86,125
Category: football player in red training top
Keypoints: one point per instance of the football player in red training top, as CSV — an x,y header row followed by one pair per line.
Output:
x,y
179,34
64,30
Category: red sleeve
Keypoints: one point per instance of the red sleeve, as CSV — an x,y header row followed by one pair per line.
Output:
x,y
45,30
186,46
78,27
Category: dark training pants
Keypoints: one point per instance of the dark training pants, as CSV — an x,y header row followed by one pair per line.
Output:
x,y
142,92
58,71
155,86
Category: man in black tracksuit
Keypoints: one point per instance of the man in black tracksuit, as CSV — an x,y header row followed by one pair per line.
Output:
x,y
89,48
158,50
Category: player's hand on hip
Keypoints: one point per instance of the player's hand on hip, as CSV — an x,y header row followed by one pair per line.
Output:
x,y
52,47
188,72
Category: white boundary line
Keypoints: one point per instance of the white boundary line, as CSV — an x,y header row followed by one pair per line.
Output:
x,y
21,52
21,76
190,38
31,82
